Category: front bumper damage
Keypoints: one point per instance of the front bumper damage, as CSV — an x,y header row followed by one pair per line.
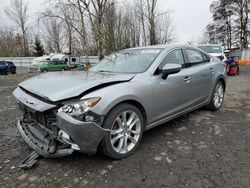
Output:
x,y
86,135
55,134
40,141
71,135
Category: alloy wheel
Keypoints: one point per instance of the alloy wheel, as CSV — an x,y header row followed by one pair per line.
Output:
x,y
125,132
218,95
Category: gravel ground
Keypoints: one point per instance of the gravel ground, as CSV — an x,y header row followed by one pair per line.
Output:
x,y
200,149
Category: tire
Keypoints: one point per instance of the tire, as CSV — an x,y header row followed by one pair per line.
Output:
x,y
217,97
63,69
122,140
44,70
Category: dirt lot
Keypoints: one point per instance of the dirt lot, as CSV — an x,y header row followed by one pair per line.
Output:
x,y
201,149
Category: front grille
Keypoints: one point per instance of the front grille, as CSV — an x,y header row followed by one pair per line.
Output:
x,y
46,119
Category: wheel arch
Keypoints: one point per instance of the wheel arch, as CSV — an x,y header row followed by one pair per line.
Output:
x,y
222,80
135,103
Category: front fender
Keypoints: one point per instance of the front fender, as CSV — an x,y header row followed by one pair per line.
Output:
x,y
115,94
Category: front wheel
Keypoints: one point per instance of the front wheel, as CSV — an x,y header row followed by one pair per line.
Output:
x,y
126,124
217,97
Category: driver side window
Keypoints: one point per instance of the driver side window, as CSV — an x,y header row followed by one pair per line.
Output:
x,y
174,57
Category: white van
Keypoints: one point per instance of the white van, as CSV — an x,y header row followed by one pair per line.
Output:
x,y
214,50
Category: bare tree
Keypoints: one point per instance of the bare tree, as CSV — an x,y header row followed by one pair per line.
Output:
x,y
100,27
53,35
10,45
72,13
151,16
18,13
140,12
96,10
109,28
156,26
164,30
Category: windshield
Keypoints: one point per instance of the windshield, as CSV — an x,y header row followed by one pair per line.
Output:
x,y
129,61
211,49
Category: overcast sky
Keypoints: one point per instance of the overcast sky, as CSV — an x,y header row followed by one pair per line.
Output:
x,y
189,17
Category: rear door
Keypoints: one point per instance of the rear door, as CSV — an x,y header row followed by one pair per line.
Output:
x,y
199,72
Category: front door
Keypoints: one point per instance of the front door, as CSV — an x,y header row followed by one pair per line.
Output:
x,y
172,95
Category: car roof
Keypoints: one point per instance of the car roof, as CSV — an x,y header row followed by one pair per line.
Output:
x,y
209,45
162,46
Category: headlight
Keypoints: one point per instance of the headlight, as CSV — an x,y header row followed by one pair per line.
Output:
x,y
79,107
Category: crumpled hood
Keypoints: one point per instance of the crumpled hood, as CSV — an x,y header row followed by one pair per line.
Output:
x,y
57,86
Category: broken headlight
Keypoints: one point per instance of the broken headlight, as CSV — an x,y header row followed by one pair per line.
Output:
x,y
80,107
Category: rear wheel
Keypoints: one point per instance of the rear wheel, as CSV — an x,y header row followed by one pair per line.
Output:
x,y
217,97
126,124
44,70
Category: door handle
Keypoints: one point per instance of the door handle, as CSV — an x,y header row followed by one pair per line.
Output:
x,y
187,79
212,70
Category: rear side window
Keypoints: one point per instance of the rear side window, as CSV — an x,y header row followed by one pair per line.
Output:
x,y
2,63
174,57
206,58
195,57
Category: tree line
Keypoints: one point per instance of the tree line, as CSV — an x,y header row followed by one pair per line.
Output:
x,y
230,26
84,27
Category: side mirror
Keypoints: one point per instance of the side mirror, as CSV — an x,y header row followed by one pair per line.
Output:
x,y
170,68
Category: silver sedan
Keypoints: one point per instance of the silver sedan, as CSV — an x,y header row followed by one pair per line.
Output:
x,y
110,106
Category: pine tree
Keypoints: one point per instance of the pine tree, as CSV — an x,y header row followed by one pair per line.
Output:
x,y
39,49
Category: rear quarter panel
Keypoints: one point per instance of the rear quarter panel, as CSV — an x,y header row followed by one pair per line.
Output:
x,y
220,72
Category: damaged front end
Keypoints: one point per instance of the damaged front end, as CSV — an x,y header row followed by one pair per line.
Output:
x,y
45,140
52,132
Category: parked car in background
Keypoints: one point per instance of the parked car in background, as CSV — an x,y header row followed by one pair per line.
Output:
x,y
7,67
45,66
110,106
214,50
